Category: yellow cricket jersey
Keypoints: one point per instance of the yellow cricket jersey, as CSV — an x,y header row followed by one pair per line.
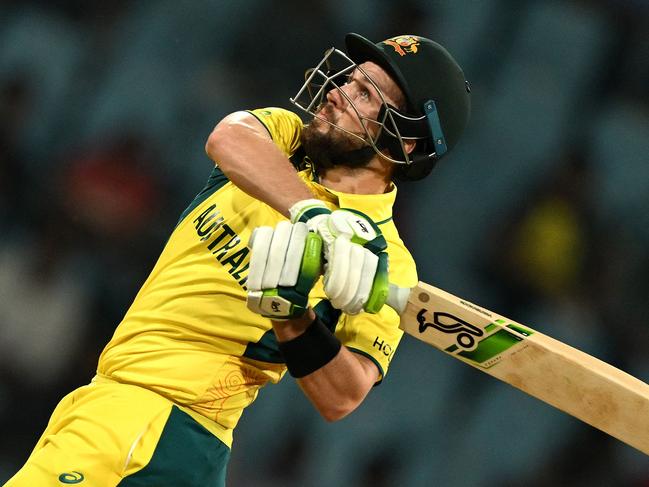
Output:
x,y
188,334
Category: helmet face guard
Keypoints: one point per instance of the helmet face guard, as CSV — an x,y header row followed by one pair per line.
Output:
x,y
393,128
437,108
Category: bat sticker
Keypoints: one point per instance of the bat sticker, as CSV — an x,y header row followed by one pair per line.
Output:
x,y
447,323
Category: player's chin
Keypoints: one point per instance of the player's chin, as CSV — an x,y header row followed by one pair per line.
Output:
x,y
318,126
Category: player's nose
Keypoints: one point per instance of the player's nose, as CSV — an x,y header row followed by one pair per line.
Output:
x,y
337,99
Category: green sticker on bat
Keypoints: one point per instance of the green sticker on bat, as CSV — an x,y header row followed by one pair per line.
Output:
x,y
492,346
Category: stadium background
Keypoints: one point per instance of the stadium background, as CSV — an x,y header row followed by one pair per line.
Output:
x,y
541,213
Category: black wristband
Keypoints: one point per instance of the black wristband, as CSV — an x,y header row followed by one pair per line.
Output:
x,y
313,349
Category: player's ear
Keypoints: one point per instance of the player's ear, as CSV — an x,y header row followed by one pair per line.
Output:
x,y
409,145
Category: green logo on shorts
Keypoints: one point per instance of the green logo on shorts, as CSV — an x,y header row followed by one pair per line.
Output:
x,y
73,477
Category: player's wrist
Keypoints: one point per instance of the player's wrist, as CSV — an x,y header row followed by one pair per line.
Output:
x,y
311,350
291,328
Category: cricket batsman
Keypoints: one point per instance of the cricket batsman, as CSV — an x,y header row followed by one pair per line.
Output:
x,y
281,262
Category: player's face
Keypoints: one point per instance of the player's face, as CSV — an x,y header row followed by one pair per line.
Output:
x,y
363,95
329,146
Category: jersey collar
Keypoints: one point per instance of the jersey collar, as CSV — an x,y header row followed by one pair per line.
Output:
x,y
377,206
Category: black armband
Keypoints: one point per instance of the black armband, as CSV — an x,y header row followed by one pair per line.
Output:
x,y
313,349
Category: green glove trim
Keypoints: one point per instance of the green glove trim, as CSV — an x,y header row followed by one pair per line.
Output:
x,y
311,266
293,303
310,212
380,287
377,245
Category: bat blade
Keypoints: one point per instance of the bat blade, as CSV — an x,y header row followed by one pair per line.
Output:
x,y
577,383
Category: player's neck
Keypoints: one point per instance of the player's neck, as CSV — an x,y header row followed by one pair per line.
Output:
x,y
375,178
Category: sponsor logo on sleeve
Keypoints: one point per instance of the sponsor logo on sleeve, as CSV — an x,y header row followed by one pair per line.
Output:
x,y
385,348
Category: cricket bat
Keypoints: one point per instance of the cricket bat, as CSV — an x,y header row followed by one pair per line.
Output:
x,y
577,383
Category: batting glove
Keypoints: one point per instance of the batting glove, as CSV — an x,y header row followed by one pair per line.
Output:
x,y
285,263
356,269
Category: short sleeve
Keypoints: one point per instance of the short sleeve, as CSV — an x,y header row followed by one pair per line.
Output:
x,y
376,336
283,126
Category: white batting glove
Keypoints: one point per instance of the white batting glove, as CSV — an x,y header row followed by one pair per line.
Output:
x,y
316,215
285,263
356,271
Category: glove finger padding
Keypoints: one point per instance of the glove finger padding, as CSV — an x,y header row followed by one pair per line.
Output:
x,y
336,269
349,275
354,274
277,255
294,252
368,276
259,244
285,263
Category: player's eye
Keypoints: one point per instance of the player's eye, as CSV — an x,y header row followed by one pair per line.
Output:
x,y
364,94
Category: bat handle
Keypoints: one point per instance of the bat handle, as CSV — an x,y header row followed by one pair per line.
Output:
x,y
397,298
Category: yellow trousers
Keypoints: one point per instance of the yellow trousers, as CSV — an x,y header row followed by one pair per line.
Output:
x,y
112,434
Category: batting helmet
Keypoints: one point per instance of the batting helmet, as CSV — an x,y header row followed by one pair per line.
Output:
x,y
437,94
437,97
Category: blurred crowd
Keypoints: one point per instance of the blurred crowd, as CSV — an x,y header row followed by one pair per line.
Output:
x,y
541,213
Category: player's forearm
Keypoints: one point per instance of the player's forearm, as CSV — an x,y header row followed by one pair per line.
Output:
x,y
247,156
339,386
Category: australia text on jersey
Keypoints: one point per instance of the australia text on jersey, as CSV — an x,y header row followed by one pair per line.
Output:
x,y
224,243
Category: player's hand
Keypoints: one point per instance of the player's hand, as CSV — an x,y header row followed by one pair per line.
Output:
x,y
356,269
285,263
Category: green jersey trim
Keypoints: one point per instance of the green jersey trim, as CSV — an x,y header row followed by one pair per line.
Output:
x,y
267,129
215,182
327,314
265,350
383,221
376,362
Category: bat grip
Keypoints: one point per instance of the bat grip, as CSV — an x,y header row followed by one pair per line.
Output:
x,y
397,298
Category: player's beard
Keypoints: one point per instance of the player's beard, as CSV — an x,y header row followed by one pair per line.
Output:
x,y
334,147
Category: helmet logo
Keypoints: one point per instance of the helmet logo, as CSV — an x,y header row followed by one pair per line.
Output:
x,y
403,44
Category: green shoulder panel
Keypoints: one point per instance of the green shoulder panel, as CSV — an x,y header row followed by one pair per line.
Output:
x,y
215,182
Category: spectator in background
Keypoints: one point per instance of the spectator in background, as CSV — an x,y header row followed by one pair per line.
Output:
x,y
549,270
551,250
43,317
117,201
549,274
111,189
